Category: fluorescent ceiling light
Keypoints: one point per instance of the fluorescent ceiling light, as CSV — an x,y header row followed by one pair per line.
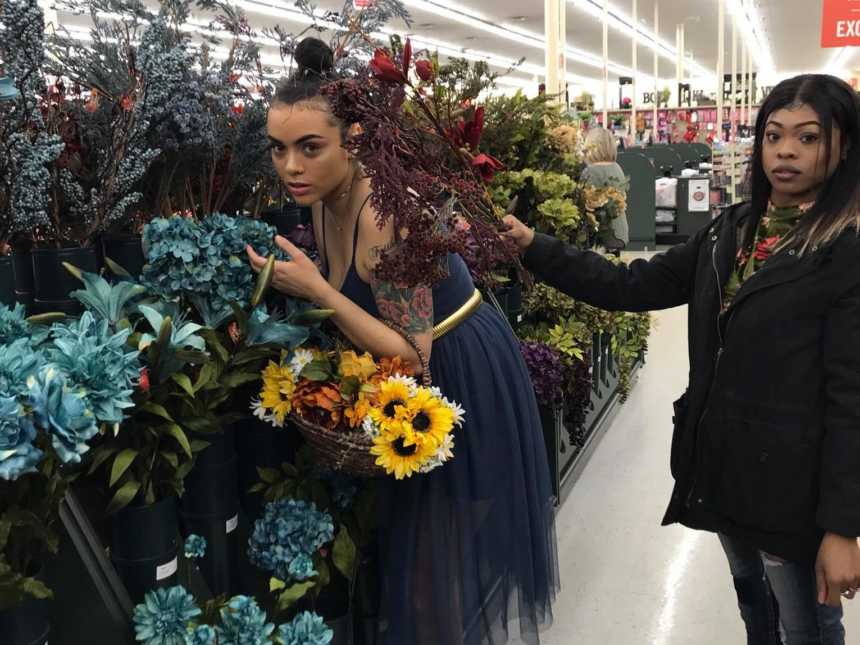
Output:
x,y
748,21
623,23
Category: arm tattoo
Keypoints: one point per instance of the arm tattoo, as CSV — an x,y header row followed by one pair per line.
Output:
x,y
409,307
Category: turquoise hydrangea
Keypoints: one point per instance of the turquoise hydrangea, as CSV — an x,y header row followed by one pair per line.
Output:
x,y
164,616
243,623
62,412
305,629
195,546
18,453
13,324
97,362
202,635
286,538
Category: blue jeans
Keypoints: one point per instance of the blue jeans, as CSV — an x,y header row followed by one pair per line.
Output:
x,y
761,579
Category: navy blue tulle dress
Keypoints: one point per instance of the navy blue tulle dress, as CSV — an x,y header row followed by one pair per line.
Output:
x,y
467,552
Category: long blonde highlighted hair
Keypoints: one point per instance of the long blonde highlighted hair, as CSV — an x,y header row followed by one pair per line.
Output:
x,y
600,146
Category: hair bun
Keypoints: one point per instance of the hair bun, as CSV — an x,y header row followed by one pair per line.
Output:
x,y
313,58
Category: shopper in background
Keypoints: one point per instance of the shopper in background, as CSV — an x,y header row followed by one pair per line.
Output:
x,y
601,152
766,449
467,552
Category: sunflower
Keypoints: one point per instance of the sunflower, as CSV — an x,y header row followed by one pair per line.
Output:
x,y
393,395
428,418
396,457
278,388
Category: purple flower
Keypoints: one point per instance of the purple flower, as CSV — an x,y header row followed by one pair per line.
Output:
x,y
546,371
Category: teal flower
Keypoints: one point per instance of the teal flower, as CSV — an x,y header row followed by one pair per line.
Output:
x,y
305,629
13,324
182,334
195,546
18,362
286,538
109,301
202,635
96,362
266,329
63,413
243,623
164,615
18,455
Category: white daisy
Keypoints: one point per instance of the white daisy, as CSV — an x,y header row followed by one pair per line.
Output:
x,y
408,381
446,449
369,427
301,358
457,409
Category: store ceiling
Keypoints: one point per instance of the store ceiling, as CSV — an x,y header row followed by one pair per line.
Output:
x,y
484,27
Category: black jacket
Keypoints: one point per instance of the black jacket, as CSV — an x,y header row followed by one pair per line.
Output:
x,y
767,437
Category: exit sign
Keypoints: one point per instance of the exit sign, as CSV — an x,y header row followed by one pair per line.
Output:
x,y
840,23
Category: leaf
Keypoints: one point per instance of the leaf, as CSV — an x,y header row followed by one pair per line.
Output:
x,y
123,496
171,458
36,588
292,594
121,464
214,343
268,475
211,371
184,382
311,316
236,379
198,445
177,433
257,488
100,456
46,319
116,269
157,410
276,585
350,385
264,281
75,271
343,553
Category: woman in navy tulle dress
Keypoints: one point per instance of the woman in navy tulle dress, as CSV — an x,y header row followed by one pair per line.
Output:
x,y
467,551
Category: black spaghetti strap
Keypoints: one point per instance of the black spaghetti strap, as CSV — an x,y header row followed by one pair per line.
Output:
x,y
325,245
355,233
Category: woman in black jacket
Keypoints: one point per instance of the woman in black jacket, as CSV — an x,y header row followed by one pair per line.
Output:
x,y
766,448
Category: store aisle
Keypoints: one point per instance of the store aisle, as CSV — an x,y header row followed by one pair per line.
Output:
x,y
626,580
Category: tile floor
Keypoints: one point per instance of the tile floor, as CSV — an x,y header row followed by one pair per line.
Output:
x,y
626,580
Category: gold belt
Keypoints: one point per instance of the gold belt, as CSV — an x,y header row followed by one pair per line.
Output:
x,y
459,316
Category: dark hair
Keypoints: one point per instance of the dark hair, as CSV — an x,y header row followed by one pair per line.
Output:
x,y
836,206
314,67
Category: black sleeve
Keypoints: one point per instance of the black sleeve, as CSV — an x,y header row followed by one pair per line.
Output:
x,y
663,282
839,497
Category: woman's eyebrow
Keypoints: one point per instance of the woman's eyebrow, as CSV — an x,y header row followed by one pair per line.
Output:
x,y
304,139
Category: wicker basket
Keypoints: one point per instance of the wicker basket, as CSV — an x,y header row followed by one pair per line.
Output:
x,y
349,451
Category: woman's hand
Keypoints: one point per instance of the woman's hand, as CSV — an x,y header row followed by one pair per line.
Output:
x,y
299,277
518,232
837,569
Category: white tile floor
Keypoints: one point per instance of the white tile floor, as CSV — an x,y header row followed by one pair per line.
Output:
x,y
626,580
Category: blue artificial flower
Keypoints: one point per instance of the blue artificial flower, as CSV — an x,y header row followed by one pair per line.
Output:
x,y
96,362
202,635
164,615
18,455
109,301
195,546
63,413
289,530
18,362
272,329
180,257
243,623
13,324
302,567
305,629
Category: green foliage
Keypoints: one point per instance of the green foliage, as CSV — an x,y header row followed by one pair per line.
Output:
x,y
516,130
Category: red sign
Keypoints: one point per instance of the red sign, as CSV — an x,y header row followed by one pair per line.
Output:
x,y
840,23
363,4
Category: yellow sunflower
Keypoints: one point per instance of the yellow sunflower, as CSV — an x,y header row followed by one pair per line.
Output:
x,y
429,419
396,457
278,388
393,396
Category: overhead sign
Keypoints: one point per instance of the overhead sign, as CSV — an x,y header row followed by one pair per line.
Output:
x,y
840,23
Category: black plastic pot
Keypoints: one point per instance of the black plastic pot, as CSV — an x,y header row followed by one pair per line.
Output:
x,y
53,284
210,508
125,250
342,628
26,624
258,444
22,264
145,546
287,218
7,281
366,602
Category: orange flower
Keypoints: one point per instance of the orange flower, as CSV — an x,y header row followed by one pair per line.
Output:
x,y
351,364
319,403
389,367
356,413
